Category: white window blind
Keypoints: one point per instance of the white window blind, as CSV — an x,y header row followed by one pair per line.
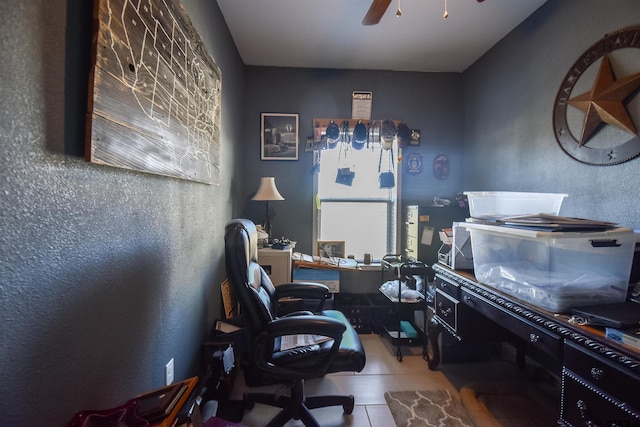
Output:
x,y
362,215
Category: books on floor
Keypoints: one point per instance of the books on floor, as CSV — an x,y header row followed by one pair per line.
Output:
x,y
158,404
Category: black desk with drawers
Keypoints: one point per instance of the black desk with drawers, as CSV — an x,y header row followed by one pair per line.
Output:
x,y
600,377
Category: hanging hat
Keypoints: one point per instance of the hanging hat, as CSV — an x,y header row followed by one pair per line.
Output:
x,y
333,134
404,134
359,135
388,133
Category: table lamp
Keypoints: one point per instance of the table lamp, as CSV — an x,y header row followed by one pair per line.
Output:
x,y
267,192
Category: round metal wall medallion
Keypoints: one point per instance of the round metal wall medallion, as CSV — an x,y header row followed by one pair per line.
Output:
x,y
601,116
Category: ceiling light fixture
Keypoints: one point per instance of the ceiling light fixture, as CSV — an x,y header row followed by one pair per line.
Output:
x,y
446,14
399,11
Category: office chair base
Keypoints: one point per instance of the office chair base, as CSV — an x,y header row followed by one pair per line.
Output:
x,y
297,405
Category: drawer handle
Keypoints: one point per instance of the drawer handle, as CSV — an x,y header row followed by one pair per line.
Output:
x,y
582,408
596,373
534,337
446,312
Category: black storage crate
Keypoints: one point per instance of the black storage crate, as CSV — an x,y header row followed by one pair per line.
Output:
x,y
357,308
383,312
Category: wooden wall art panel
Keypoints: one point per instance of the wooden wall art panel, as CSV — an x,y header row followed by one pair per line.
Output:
x,y
155,92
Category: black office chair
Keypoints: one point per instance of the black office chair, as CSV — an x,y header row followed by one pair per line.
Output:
x,y
264,362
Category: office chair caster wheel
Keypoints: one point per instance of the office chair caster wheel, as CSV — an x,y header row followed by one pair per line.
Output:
x,y
348,407
247,403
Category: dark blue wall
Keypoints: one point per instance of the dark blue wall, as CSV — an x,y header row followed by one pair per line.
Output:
x,y
509,96
493,121
431,102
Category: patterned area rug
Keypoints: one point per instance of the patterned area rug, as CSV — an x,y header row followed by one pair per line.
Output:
x,y
427,408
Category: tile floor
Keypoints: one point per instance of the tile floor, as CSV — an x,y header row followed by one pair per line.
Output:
x,y
383,372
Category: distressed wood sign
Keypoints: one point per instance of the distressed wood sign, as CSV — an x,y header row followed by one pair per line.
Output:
x,y
155,92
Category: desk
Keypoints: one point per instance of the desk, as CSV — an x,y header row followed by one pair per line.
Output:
x,y
342,264
600,377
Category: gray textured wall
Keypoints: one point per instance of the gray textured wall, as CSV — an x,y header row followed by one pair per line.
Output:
x,y
509,96
105,274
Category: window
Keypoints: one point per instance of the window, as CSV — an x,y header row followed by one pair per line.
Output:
x,y
362,214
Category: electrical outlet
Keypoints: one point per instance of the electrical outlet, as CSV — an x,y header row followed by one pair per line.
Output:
x,y
168,372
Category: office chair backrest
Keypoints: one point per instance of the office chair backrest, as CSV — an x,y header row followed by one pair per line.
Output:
x,y
251,285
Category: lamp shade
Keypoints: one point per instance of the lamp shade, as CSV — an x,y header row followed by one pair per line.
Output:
x,y
267,190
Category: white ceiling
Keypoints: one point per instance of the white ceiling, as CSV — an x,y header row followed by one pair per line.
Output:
x,y
329,33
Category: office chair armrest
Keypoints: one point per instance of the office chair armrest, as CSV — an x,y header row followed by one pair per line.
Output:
x,y
316,362
306,324
302,290
309,291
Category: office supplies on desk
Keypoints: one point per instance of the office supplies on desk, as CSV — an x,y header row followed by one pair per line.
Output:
x,y
618,315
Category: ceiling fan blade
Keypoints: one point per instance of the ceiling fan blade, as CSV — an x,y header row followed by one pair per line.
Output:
x,y
376,11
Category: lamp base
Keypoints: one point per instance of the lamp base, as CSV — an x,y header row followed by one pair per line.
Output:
x,y
266,225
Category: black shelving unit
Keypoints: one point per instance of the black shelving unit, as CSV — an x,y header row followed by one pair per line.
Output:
x,y
357,308
405,270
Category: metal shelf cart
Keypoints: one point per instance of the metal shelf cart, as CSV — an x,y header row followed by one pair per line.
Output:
x,y
405,271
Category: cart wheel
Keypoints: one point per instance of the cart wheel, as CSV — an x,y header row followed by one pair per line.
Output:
x,y
399,355
348,407
248,403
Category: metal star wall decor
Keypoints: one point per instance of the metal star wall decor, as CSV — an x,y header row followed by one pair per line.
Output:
x,y
605,104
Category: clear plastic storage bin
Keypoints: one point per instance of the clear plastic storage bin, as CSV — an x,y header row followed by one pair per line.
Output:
x,y
554,270
492,205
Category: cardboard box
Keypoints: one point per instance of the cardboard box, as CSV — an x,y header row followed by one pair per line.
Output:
x,y
328,277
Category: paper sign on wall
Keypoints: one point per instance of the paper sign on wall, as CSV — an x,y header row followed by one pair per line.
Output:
x,y
427,236
361,107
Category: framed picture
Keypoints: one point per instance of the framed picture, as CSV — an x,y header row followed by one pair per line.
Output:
x,y
142,115
331,248
279,136
313,145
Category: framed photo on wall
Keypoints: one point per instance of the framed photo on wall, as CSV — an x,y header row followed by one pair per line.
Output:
x,y
331,248
279,136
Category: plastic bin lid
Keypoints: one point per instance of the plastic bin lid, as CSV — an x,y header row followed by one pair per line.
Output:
x,y
513,193
533,234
